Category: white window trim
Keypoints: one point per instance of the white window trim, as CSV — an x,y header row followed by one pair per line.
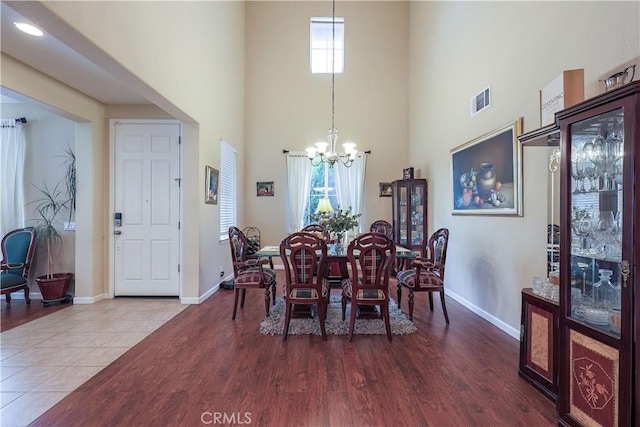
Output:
x,y
338,51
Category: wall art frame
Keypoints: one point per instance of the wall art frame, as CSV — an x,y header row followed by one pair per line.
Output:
x,y
385,189
211,185
264,188
486,173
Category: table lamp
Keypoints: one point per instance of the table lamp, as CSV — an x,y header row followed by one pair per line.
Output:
x,y
324,208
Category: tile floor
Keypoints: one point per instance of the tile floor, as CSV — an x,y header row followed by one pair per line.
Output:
x,y
44,360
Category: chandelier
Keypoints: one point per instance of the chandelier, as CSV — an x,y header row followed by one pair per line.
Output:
x,y
325,152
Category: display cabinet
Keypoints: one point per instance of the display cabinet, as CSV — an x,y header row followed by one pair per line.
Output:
x,y
409,198
539,343
598,246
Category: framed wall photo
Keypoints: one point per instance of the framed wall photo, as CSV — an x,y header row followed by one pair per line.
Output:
x,y
385,189
486,174
211,185
407,173
265,188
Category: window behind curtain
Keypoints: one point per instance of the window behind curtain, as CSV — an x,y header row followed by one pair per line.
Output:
x,y
323,183
322,43
227,189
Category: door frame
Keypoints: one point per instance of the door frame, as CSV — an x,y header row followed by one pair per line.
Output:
x,y
109,219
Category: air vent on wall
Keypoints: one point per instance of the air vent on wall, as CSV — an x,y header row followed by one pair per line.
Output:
x,y
481,101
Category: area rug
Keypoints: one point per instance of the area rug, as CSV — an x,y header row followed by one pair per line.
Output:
x,y
274,324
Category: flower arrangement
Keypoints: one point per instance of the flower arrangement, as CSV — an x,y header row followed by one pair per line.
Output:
x,y
342,221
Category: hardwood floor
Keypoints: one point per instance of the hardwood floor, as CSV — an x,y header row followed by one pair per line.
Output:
x,y
203,368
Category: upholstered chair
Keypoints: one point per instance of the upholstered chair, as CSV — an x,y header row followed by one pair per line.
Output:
x,y
371,257
382,226
304,257
18,247
318,230
249,273
427,274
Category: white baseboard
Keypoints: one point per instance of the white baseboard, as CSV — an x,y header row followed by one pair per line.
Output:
x,y
515,333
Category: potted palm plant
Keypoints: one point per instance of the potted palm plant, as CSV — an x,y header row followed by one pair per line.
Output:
x,y
54,286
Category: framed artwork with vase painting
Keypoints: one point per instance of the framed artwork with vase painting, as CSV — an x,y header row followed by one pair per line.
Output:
x,y
486,174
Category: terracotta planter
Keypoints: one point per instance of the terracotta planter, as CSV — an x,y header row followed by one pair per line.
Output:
x,y
55,288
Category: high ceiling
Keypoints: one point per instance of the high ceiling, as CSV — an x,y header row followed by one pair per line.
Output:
x,y
57,60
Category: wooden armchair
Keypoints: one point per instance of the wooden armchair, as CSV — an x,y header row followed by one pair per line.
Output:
x,y
18,247
427,274
304,256
249,273
371,256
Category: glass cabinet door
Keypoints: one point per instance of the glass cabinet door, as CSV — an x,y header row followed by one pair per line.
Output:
x,y
596,171
403,213
417,214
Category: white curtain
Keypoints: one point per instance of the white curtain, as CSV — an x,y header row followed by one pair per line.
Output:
x,y
350,185
12,149
299,184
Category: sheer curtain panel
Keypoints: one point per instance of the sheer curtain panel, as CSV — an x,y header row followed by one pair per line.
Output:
x,y
299,185
12,149
350,185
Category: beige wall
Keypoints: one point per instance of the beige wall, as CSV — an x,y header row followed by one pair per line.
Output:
x,y
288,107
191,55
90,151
456,50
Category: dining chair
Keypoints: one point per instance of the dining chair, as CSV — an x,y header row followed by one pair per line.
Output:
x,y
18,247
427,274
318,229
371,257
249,273
304,257
382,226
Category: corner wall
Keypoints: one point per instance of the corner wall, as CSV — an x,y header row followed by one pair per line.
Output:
x,y
288,107
457,49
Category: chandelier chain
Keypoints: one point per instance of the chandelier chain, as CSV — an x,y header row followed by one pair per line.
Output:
x,y
333,65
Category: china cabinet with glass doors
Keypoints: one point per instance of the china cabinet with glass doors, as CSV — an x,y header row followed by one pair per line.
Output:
x,y
409,198
598,247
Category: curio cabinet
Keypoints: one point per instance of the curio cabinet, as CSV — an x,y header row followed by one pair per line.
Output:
x,y
409,197
598,249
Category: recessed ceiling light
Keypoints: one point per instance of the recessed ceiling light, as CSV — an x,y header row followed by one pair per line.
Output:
x,y
29,29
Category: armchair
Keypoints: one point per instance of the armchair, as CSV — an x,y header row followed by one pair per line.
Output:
x,y
427,274
249,273
18,247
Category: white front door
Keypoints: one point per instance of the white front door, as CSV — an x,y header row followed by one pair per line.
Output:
x,y
147,205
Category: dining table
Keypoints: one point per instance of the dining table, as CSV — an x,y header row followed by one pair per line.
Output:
x,y
338,269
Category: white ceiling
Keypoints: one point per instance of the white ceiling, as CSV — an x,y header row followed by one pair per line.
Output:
x,y
52,57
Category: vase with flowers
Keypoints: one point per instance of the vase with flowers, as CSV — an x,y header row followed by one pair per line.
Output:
x,y
340,223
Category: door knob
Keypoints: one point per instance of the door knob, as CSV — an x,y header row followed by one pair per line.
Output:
x,y
117,232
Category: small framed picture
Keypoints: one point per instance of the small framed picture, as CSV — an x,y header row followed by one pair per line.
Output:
x,y
211,185
265,188
407,173
385,189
